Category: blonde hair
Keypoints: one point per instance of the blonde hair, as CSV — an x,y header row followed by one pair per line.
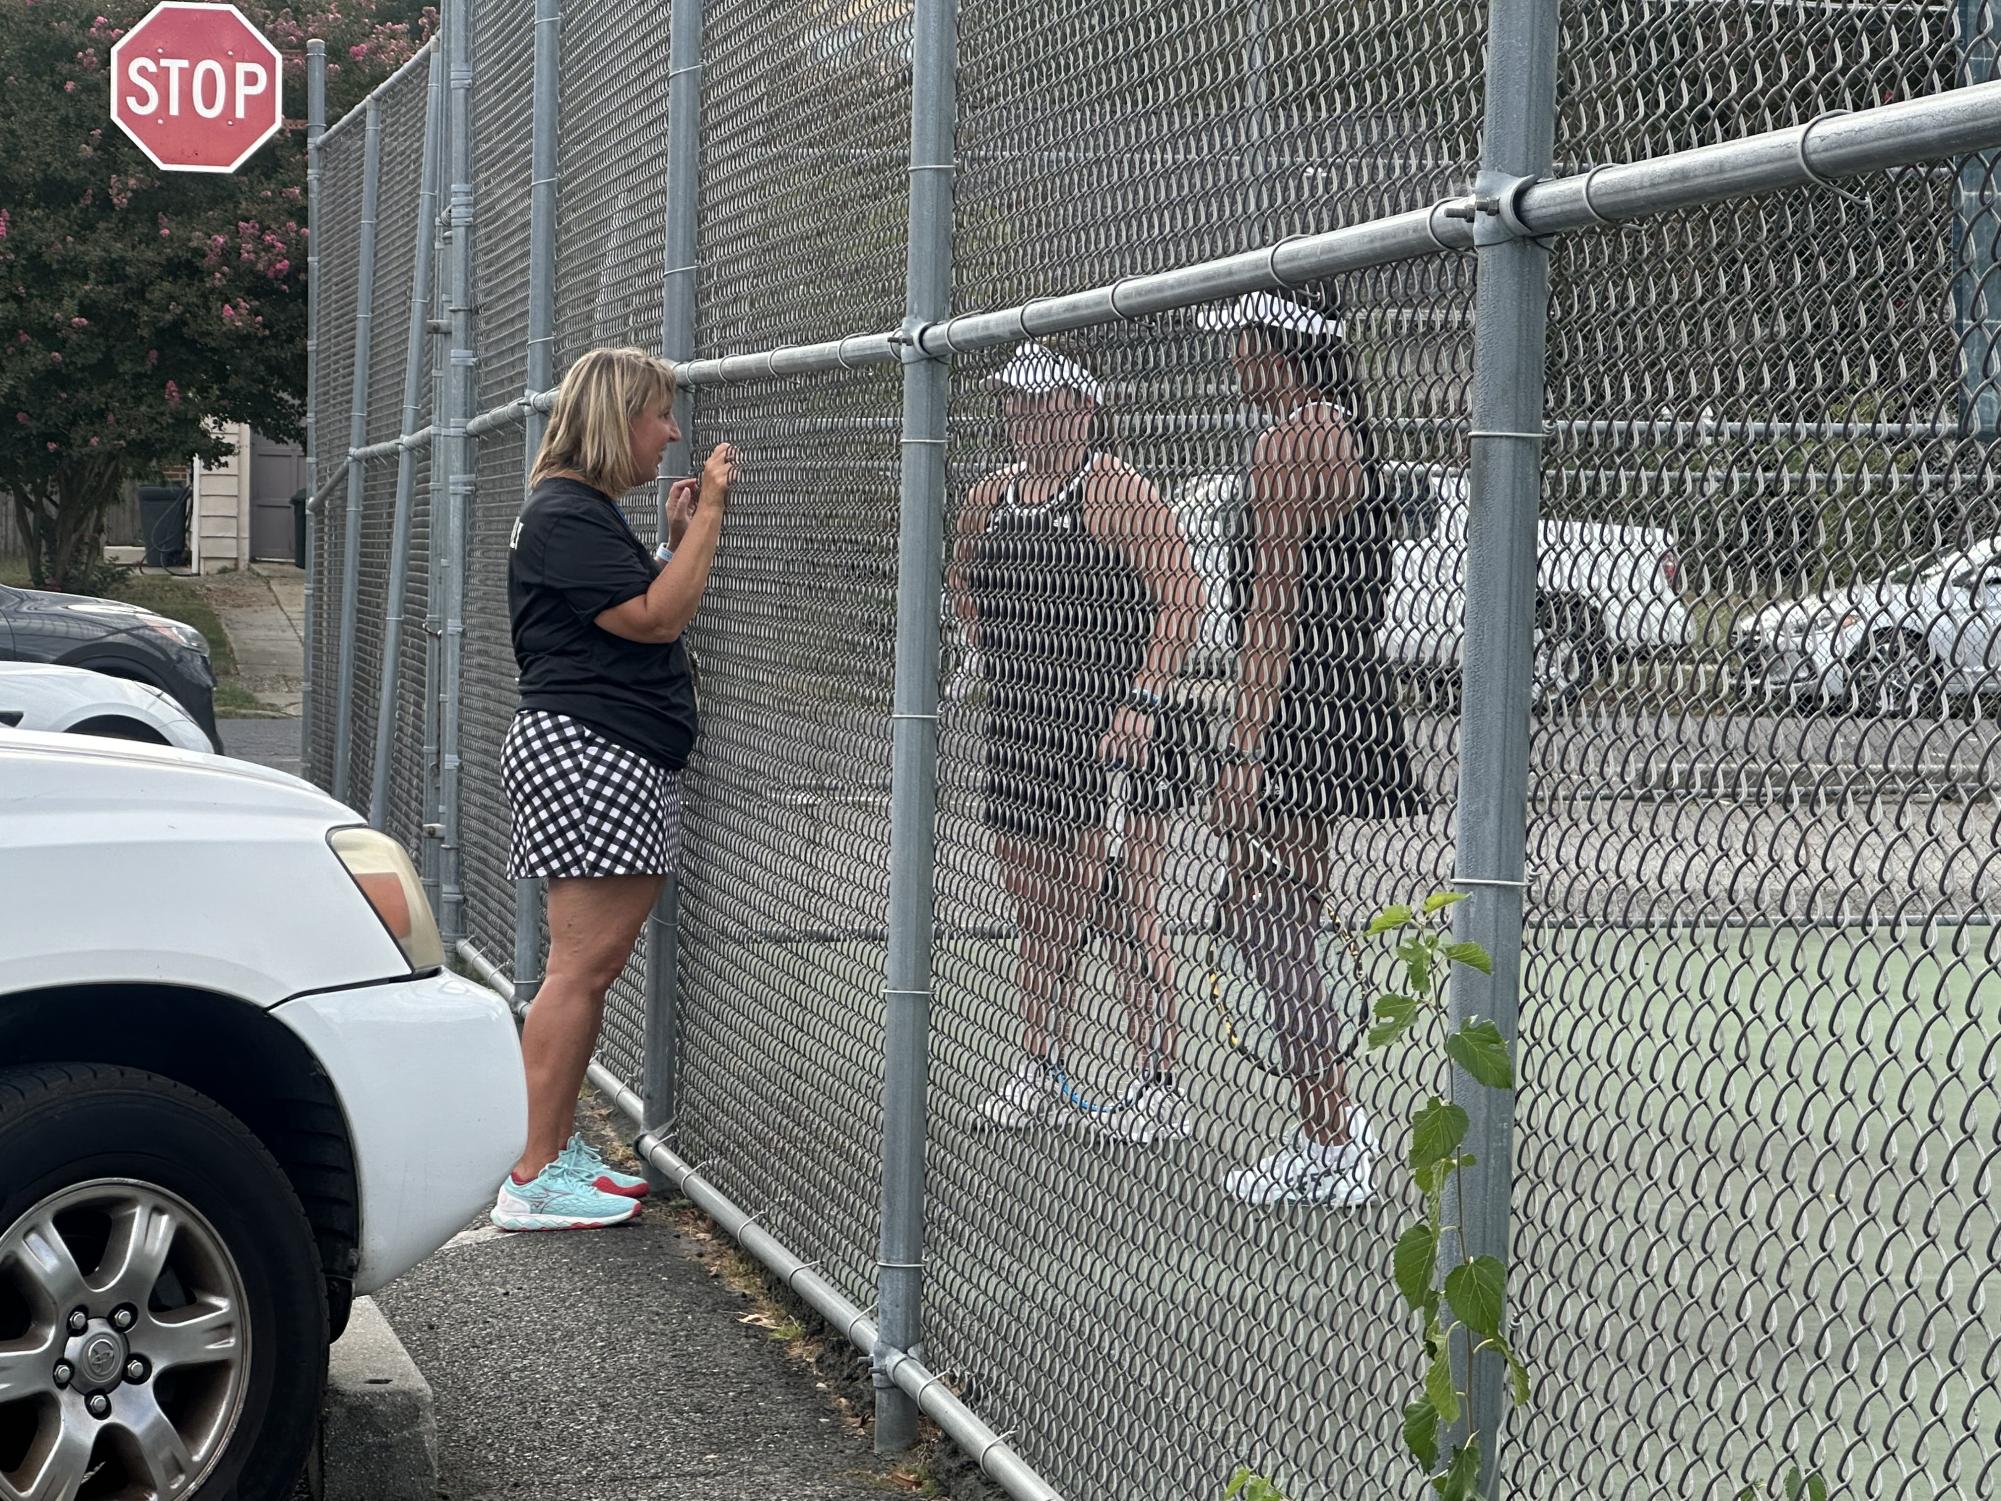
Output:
x,y
590,428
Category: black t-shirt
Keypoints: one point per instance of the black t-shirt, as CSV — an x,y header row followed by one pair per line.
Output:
x,y
574,556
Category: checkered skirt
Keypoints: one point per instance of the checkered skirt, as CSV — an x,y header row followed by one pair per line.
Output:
x,y
584,805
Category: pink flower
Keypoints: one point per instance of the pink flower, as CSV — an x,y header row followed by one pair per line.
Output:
x,y
22,418
55,359
68,88
52,448
358,51
173,394
3,223
278,270
228,312
93,442
79,323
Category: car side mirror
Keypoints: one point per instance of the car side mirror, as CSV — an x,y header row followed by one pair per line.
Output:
x,y
12,718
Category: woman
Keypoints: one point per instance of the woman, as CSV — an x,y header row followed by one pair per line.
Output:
x,y
592,763
1077,589
1317,740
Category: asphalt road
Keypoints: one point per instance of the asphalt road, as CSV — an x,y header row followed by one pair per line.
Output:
x,y
268,742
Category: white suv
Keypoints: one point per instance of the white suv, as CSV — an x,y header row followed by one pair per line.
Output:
x,y
236,1088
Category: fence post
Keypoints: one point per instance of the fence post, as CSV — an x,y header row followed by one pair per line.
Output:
x,y
1510,320
406,456
316,124
430,858
1976,289
357,473
677,344
913,835
460,396
545,122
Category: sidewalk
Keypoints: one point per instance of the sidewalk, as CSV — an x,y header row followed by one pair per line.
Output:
x,y
618,1364
263,608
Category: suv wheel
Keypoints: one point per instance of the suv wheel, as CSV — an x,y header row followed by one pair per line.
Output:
x,y
163,1322
1894,675
1569,655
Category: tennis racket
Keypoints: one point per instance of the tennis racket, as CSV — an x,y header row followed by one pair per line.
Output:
x,y
1238,1032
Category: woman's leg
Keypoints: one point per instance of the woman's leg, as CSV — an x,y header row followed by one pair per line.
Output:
x,y
1277,890
1046,885
593,924
1149,969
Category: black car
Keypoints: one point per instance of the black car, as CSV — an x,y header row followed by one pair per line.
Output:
x,y
119,640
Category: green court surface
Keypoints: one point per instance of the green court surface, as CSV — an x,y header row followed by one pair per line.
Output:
x,y
1755,1218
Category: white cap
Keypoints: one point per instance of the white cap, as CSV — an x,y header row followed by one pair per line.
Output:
x,y
1038,368
1268,310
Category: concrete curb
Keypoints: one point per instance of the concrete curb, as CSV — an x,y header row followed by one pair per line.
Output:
x,y
379,1431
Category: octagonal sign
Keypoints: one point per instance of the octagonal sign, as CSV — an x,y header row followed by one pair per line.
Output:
x,y
197,87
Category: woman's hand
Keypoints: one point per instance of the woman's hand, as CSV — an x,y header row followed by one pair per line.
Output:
x,y
1126,740
1236,801
718,476
680,508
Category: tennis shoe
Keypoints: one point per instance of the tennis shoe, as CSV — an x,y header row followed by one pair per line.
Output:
x,y
1025,1099
1153,1110
1304,1171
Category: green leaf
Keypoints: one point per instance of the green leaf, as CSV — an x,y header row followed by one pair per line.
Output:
x,y
1420,1433
1438,901
1438,1387
1749,1493
1462,1481
1479,1048
1416,1262
1395,1015
1474,1291
1518,1375
1792,1483
1389,919
1431,1177
1470,954
1417,962
1237,1482
1816,1488
1435,1132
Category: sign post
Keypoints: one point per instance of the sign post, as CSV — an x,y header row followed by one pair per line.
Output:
x,y
197,87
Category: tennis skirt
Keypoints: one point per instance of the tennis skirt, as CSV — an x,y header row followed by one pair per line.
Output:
x,y
584,805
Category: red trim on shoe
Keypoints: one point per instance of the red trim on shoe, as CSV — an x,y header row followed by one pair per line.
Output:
x,y
605,1185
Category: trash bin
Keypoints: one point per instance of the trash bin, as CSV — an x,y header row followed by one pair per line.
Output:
x,y
163,524
299,526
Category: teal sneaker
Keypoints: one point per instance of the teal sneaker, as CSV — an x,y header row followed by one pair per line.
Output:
x,y
601,1175
557,1198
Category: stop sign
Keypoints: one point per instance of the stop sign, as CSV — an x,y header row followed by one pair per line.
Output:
x,y
196,86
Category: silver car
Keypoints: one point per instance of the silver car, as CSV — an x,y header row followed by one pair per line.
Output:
x,y
1906,644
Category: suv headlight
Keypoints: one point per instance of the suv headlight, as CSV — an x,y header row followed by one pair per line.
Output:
x,y
178,632
389,881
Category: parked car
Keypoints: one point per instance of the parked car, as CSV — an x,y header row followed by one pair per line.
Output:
x,y
114,638
1903,644
72,701
236,1088
1603,591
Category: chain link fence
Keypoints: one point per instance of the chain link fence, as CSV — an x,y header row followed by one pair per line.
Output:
x,y
1188,541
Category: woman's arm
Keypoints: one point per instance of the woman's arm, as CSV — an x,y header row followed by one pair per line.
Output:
x,y
1302,477
965,539
1126,509
663,612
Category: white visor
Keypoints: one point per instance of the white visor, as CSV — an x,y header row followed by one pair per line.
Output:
x,y
1037,368
1264,310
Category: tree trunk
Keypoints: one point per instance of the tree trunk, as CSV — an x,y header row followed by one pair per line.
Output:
x,y
61,520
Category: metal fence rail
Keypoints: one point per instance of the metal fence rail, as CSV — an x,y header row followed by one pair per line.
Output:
x,y
1690,601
